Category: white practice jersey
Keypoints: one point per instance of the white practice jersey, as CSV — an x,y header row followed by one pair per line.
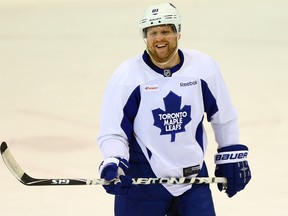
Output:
x,y
162,111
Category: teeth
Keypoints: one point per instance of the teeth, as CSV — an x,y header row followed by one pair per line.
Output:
x,y
160,46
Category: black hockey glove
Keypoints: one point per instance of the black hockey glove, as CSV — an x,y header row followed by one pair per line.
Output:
x,y
231,162
113,171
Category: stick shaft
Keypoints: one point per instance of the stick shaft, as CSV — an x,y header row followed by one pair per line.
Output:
x,y
27,180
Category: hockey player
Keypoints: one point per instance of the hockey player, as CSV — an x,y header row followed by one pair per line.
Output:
x,y
151,125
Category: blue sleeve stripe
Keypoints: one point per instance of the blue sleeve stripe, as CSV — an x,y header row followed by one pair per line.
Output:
x,y
199,134
130,111
210,104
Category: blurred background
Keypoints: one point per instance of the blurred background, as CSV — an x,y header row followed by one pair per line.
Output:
x,y
56,57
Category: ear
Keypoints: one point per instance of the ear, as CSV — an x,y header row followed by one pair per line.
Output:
x,y
179,36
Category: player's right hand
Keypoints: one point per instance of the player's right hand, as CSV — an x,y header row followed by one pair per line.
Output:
x,y
113,171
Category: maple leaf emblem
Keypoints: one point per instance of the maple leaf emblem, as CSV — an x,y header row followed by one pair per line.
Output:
x,y
174,119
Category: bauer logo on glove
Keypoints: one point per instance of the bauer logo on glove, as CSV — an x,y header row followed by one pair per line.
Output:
x,y
227,157
231,163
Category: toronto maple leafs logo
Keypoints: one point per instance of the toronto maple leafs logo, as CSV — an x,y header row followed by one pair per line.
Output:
x,y
174,119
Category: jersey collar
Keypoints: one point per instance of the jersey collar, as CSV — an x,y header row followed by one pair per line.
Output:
x,y
164,72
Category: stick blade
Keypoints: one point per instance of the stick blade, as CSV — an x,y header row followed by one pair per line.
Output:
x,y
11,163
3,147
27,180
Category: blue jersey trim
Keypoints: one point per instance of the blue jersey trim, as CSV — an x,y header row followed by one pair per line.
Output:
x,y
199,134
147,60
130,111
210,104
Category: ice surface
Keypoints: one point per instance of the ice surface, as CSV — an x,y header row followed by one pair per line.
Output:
x,y
56,58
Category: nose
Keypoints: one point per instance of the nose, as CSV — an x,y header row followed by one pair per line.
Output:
x,y
159,37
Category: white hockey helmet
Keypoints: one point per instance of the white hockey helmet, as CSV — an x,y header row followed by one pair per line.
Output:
x,y
160,14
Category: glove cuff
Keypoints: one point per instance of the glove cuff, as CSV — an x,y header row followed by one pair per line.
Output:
x,y
231,154
108,161
121,163
231,157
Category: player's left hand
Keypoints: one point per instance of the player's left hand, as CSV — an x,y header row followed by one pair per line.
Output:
x,y
231,162
113,171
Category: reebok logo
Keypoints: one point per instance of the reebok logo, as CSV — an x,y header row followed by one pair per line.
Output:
x,y
186,84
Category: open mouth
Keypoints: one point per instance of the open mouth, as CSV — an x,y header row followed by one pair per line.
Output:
x,y
159,46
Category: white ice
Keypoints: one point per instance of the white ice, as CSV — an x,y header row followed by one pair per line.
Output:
x,y
56,57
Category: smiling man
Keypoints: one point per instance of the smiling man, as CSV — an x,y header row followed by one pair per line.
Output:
x,y
162,45
152,125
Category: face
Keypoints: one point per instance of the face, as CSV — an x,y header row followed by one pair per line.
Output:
x,y
161,42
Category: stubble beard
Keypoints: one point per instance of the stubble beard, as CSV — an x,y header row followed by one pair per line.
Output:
x,y
162,58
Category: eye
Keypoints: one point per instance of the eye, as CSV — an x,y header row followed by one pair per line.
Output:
x,y
165,32
152,34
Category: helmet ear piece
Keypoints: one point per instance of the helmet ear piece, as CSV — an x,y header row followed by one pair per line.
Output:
x,y
144,33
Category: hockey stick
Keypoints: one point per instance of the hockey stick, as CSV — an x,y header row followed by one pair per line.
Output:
x,y
27,180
